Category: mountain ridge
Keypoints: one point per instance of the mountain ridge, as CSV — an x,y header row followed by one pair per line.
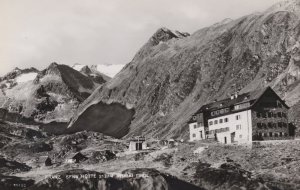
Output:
x,y
170,78
52,94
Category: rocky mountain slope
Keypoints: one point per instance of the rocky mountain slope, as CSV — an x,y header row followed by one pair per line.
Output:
x,y
172,76
50,95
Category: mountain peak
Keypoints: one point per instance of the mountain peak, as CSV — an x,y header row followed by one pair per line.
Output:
x,y
53,69
86,70
288,5
164,34
53,64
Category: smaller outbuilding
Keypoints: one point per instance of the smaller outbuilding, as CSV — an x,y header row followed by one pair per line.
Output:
x,y
75,158
137,143
44,161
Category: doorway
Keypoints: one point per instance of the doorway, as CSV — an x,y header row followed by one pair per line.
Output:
x,y
232,135
138,146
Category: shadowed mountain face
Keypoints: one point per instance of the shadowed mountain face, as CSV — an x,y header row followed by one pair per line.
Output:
x,y
172,76
50,95
111,119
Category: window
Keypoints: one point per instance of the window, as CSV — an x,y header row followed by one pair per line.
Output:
x,y
264,115
194,118
260,134
194,135
270,125
284,115
279,104
226,120
211,123
221,121
276,134
195,126
241,136
259,125
279,114
270,134
238,127
258,115
236,107
270,114
279,124
238,117
216,122
265,134
284,125
274,125
280,134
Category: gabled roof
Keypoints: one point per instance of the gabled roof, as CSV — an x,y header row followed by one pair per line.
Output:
x,y
251,97
241,98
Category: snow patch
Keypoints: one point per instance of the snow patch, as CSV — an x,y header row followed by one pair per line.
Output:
x,y
26,77
78,67
110,70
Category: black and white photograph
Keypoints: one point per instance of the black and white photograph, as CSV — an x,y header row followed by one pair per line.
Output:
x,y
149,94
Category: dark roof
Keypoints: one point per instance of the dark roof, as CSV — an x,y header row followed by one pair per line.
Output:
x,y
241,98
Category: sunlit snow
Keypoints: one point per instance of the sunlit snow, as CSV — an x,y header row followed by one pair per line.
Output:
x,y
26,77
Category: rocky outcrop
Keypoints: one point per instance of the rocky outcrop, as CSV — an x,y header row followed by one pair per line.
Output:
x,y
171,76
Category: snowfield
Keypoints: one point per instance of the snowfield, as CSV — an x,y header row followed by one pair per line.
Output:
x,y
26,77
110,70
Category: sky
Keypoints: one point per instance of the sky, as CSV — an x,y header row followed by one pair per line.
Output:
x,y
34,33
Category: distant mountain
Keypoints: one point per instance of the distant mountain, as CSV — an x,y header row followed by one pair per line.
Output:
x,y
110,70
106,70
49,95
95,75
171,76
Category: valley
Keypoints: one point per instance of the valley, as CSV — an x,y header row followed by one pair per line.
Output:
x,y
85,126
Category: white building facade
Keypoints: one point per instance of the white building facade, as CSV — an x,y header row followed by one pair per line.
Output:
x,y
253,116
232,128
197,131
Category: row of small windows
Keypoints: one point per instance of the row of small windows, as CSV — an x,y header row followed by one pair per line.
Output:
x,y
271,114
241,106
219,112
272,134
215,122
222,130
225,120
271,125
